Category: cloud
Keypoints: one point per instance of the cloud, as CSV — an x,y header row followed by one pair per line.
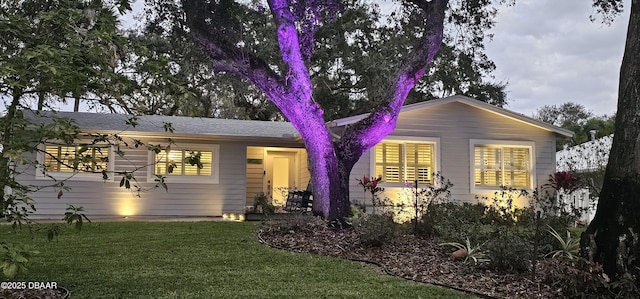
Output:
x,y
550,53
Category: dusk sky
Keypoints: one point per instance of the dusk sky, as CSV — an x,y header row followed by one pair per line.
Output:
x,y
550,53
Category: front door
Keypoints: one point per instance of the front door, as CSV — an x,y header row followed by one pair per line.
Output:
x,y
281,175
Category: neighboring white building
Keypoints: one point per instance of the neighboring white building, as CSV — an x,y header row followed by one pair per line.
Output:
x,y
588,159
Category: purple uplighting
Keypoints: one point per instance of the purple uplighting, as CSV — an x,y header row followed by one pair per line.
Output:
x,y
330,160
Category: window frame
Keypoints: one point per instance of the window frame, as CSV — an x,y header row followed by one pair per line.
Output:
x,y
435,141
531,145
75,175
214,178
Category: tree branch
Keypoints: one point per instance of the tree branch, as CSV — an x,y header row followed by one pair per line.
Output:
x,y
226,56
288,41
366,133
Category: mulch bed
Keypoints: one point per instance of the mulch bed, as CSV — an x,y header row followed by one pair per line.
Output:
x,y
408,257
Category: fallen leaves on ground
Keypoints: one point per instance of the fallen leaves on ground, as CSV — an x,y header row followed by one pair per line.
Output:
x,y
409,257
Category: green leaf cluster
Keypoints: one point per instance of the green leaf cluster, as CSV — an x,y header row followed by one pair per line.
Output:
x,y
75,216
14,259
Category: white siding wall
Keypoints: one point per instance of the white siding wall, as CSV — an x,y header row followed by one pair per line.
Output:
x,y
255,173
305,175
361,169
455,124
182,199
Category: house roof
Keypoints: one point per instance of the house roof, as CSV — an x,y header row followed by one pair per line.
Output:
x,y
154,124
467,101
234,128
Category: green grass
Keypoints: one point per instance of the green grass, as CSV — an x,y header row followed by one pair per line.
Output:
x,y
199,260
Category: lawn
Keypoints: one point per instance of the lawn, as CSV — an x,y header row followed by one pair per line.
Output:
x,y
199,260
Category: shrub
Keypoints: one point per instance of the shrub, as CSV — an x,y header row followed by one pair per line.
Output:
x,y
451,221
501,210
509,252
262,204
374,230
414,202
576,278
378,200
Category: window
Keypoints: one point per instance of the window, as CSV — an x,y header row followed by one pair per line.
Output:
x,y
81,162
178,161
75,158
176,164
398,162
502,165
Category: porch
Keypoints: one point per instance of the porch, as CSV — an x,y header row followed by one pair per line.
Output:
x,y
275,171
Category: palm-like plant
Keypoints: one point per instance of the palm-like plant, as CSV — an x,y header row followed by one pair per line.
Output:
x,y
474,253
569,246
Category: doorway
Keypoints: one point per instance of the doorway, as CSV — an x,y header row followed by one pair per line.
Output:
x,y
281,174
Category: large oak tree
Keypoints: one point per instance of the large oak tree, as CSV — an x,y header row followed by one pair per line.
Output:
x,y
285,78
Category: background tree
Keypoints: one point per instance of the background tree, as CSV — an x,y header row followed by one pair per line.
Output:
x,y
575,117
358,50
287,82
612,237
54,50
175,77
565,115
51,50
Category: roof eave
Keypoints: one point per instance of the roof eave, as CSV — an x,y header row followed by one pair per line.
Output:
x,y
286,138
468,101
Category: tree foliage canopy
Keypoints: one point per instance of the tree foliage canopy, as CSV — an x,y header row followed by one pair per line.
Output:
x,y
347,58
575,117
58,49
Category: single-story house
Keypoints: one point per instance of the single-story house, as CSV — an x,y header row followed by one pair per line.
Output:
x,y
477,146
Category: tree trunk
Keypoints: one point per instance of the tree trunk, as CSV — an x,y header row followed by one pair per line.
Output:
x,y
76,103
330,176
6,173
41,97
612,237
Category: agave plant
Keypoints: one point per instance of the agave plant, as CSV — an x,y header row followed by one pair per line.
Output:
x,y
569,246
474,253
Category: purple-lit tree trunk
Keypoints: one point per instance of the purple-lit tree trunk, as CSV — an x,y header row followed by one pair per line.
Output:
x,y
331,161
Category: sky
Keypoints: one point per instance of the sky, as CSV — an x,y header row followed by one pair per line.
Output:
x,y
551,53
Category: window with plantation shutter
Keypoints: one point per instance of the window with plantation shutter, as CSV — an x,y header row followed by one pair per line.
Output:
x,y
176,162
388,159
496,165
186,163
75,158
75,162
404,162
516,167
